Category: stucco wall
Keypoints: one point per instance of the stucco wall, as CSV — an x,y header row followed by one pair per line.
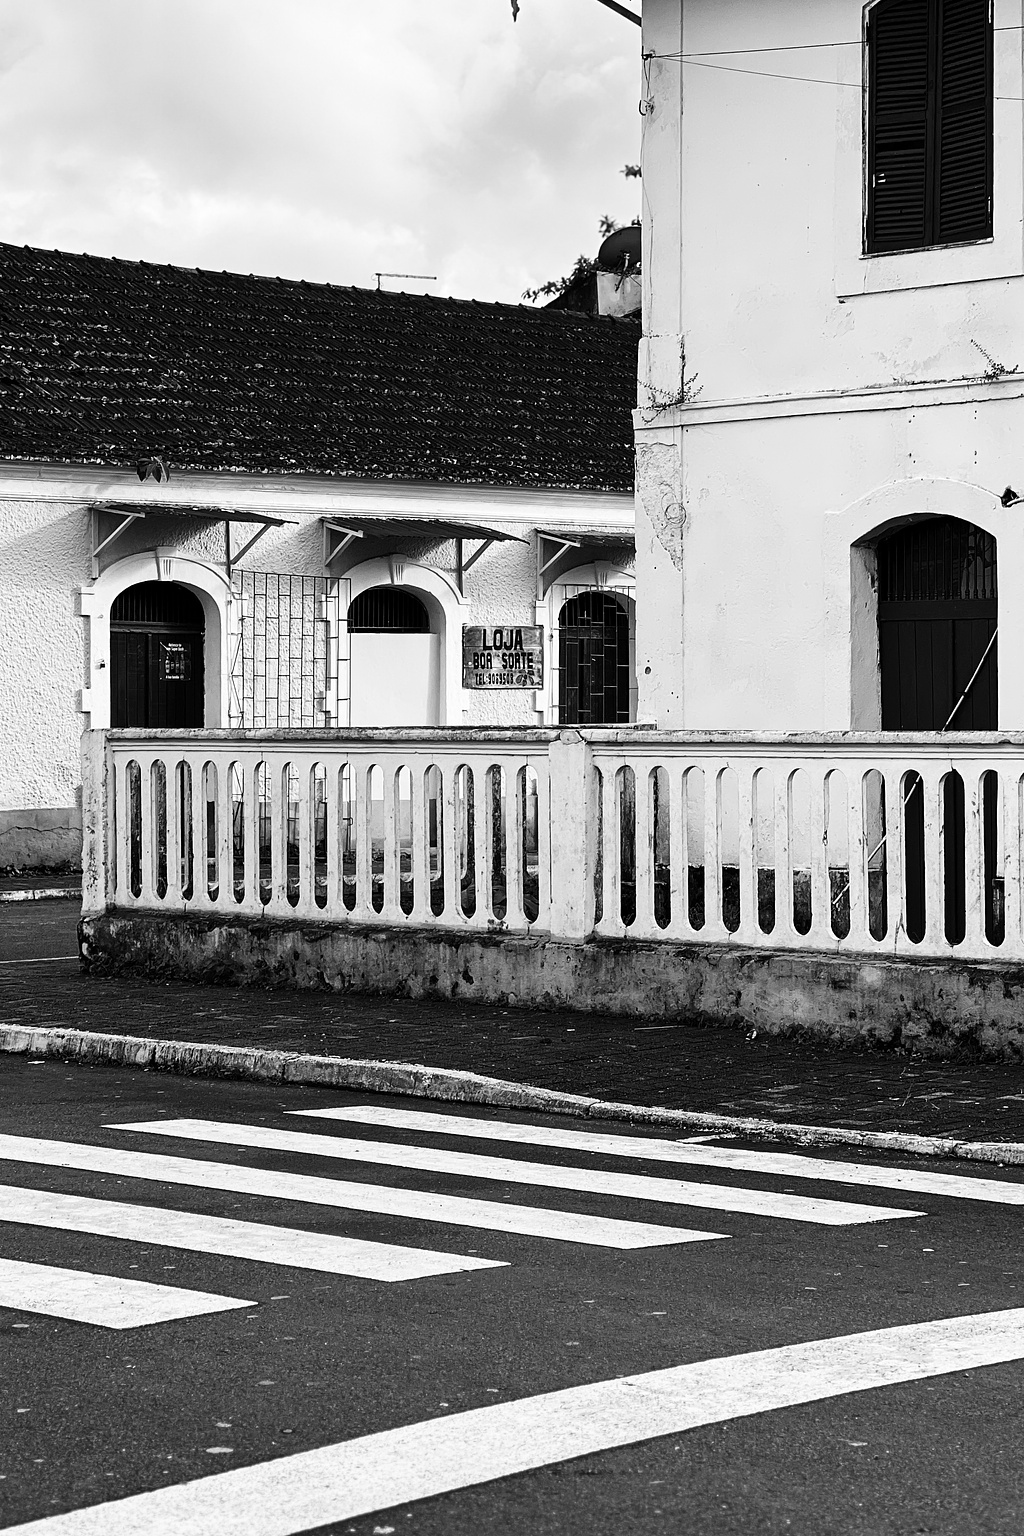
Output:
x,y
43,559
790,381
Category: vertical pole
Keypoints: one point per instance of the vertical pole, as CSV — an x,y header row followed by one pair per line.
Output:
x,y
573,837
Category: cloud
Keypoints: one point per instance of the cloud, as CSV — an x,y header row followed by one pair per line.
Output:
x,y
323,139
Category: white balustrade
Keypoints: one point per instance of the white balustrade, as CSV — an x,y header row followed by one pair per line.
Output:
x,y
869,844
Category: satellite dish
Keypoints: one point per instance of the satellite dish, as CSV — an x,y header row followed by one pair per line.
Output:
x,y
621,250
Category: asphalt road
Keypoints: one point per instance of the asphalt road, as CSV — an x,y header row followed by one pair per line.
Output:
x,y
308,1358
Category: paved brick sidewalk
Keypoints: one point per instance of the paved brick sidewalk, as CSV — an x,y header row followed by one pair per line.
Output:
x,y
674,1066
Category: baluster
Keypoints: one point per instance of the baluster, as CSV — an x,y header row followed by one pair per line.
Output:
x,y
225,839
820,932
420,857
515,917
714,923
784,931
644,925
391,911
362,822
611,852
857,851
483,845
974,943
147,832
452,915
278,836
172,771
305,905
249,769
334,908
679,922
749,931
935,833
544,873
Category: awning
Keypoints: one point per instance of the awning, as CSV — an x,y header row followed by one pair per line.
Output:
x,y
339,532
553,543
127,512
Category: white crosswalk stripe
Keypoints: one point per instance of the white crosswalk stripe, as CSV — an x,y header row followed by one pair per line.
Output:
x,y
790,1165
591,1181
103,1300
316,1488
197,1233
452,1210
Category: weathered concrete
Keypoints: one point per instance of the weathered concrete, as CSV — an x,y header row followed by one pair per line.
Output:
x,y
932,1008
35,837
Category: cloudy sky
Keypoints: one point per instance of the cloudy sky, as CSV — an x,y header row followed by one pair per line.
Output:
x,y
324,139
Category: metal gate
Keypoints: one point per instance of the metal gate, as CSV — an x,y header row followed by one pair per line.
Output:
x,y
937,633
157,678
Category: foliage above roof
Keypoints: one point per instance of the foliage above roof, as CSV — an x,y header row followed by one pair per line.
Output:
x,y
114,362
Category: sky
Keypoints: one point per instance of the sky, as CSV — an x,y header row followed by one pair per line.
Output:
x,y
321,139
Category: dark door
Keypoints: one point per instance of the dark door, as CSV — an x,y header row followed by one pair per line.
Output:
x,y
937,616
593,660
156,658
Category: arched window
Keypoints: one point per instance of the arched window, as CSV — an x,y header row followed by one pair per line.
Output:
x,y
594,671
388,610
929,159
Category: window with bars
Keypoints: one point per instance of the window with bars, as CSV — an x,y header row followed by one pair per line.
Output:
x,y
388,610
285,664
929,150
595,673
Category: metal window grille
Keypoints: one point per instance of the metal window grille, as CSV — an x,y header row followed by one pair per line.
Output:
x,y
388,610
285,661
941,560
595,674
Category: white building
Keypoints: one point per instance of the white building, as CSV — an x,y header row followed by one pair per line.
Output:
x,y
355,478
832,368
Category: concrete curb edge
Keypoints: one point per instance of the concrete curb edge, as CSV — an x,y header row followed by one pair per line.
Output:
x,y
202,1059
44,893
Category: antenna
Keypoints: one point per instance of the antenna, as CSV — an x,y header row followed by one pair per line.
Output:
x,y
421,277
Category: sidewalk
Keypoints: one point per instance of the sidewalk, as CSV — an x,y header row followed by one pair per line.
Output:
x,y
664,1066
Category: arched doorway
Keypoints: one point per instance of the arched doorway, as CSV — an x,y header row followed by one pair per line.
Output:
x,y
937,642
595,669
937,616
157,678
395,655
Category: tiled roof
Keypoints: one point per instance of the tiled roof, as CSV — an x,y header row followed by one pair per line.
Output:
x,y
105,362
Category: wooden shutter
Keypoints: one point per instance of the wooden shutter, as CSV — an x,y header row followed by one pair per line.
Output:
x,y
929,123
900,122
964,112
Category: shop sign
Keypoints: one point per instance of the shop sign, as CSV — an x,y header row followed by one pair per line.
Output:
x,y
502,656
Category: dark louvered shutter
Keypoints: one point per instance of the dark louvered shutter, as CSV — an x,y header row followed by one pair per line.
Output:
x,y
964,147
899,117
929,123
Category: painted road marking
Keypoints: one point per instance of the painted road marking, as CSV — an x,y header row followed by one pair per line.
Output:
x,y
105,1300
462,1450
791,1165
470,1165
453,1210
229,1238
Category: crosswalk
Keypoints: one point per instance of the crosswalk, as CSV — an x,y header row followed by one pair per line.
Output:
x,y
108,1301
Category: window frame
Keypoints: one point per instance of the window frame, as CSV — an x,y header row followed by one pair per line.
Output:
x,y
858,272
932,210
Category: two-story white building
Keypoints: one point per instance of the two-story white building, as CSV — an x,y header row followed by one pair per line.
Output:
x,y
832,374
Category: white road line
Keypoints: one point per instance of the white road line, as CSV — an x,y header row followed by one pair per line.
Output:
x,y
453,1210
469,1165
104,1300
229,1238
791,1165
420,1461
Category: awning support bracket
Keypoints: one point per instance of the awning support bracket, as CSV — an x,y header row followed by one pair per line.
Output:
x,y
233,559
563,546
98,544
343,538
463,565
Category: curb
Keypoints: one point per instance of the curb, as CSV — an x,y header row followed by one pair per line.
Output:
x,y
449,1084
44,893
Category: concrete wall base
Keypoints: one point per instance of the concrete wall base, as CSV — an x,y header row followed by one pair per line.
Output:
x,y
41,837
939,1009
